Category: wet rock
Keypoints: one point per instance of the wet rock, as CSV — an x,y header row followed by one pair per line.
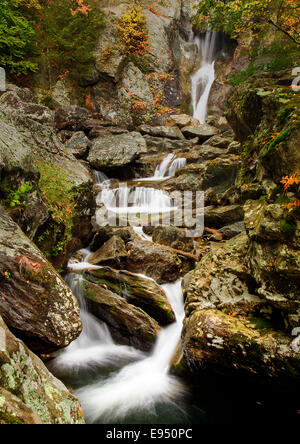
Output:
x,y
112,253
216,217
219,142
34,300
160,144
202,131
173,237
135,83
184,182
159,262
35,214
16,158
15,411
137,290
17,104
116,151
29,393
221,173
128,324
203,153
103,234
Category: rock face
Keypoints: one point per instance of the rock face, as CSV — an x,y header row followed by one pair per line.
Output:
x,y
156,261
231,325
34,301
29,393
218,343
30,149
139,291
112,152
128,324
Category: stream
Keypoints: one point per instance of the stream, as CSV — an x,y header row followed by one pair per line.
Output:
x,y
117,383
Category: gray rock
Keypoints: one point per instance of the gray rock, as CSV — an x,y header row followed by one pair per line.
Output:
x,y
112,253
29,393
128,324
116,151
162,131
78,144
159,262
203,131
34,300
137,290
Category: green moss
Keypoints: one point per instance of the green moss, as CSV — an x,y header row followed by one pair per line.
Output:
x,y
9,418
60,197
271,146
261,324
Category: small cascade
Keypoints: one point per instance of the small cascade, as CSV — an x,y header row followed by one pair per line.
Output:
x,y
204,78
100,177
141,385
178,163
162,169
95,347
131,200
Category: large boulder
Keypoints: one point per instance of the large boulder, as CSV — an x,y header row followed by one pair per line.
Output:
x,y
112,152
29,393
173,237
16,157
222,280
34,301
273,257
216,343
137,290
128,324
159,262
112,253
216,217
203,131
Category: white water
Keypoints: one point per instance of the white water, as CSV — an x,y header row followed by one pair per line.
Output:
x,y
95,347
166,169
204,78
132,200
142,384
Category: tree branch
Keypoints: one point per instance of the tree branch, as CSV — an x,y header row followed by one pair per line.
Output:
x,y
284,31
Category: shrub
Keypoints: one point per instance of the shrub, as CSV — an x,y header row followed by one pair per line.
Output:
x,y
17,36
133,32
67,34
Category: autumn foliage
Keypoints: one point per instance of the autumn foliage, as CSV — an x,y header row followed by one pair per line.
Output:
x,y
58,34
236,16
133,33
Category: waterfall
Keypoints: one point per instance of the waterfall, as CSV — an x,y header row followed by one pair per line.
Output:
x,y
203,79
162,169
100,177
131,200
142,384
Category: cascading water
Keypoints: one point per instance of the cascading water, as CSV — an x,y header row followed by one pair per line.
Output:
x,y
204,78
141,386
117,383
132,200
